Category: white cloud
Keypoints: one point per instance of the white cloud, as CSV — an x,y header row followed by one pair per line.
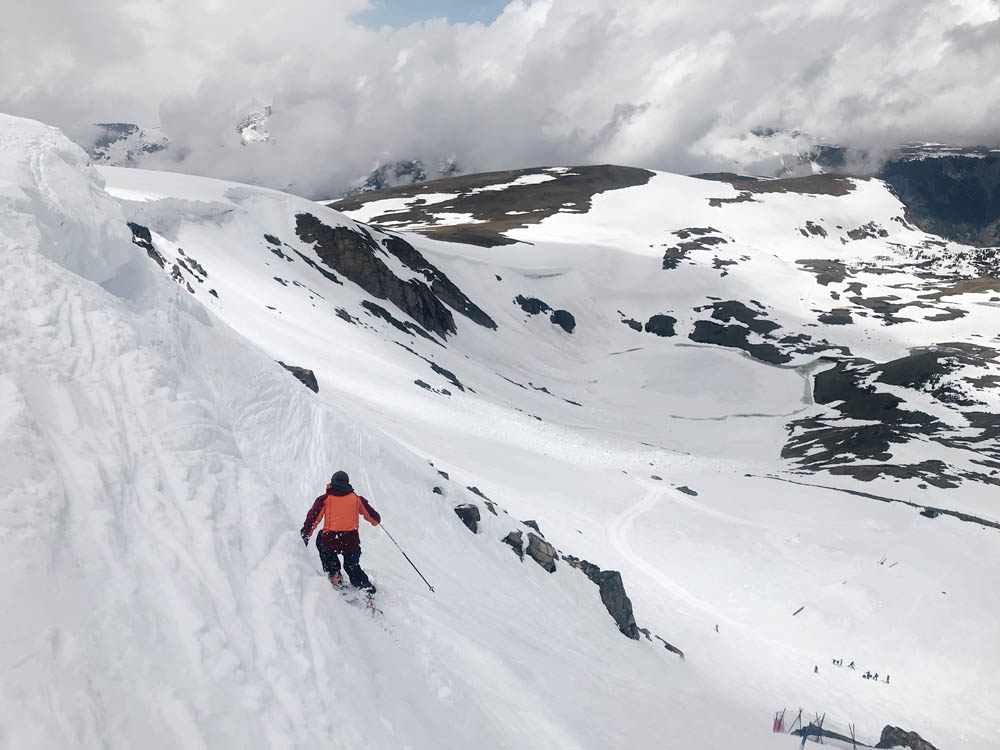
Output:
x,y
671,85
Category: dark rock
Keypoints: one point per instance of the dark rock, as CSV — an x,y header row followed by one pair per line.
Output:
x,y
516,541
213,293
534,525
814,184
670,647
440,284
837,317
827,271
447,375
542,552
438,491
406,327
315,266
871,229
815,229
478,492
867,422
531,305
928,512
657,478
613,594
687,491
735,337
306,377
277,251
896,737
142,237
443,474
697,238
734,311
346,316
661,325
356,255
954,195
428,387
635,325
564,320
490,506
469,514
272,240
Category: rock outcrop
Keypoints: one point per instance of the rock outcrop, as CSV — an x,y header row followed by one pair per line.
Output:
x,y
661,325
515,540
542,552
531,305
896,737
613,594
356,255
306,377
564,320
142,238
954,194
469,514
440,284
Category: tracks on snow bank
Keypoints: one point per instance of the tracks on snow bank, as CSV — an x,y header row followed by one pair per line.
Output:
x,y
618,533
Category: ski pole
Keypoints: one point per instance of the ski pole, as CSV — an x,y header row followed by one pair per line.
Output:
x,y
406,556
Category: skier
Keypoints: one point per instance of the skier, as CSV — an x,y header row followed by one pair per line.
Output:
x,y
816,669
339,509
851,665
876,677
887,679
716,627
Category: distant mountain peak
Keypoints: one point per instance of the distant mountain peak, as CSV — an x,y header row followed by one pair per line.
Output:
x,y
123,143
401,172
253,127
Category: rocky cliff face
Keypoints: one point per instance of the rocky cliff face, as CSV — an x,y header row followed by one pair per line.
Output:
x,y
951,192
359,257
613,594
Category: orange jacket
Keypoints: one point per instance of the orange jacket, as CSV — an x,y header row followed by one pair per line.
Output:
x,y
338,513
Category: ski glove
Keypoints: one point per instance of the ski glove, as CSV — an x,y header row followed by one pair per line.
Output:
x,y
305,538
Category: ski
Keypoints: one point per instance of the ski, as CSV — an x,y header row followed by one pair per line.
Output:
x,y
357,597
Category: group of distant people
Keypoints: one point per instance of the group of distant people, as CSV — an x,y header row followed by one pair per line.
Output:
x,y
840,662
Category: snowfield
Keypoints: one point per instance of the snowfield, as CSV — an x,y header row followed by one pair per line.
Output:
x,y
160,463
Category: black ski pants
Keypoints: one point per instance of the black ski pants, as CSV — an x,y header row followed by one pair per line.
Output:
x,y
352,565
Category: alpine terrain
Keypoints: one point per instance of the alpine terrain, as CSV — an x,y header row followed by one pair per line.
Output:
x,y
684,461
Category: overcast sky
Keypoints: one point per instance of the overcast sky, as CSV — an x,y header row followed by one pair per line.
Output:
x,y
666,84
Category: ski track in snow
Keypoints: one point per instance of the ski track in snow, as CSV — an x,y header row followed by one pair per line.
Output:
x,y
618,533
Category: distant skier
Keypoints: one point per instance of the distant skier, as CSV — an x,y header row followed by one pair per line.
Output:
x,y
816,669
887,679
339,510
716,627
876,677
851,665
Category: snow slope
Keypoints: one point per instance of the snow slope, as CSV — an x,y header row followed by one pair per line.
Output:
x,y
157,591
163,463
